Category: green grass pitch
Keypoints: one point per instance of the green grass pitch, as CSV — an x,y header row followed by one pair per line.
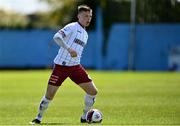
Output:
x,y
125,98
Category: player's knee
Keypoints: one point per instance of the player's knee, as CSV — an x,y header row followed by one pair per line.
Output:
x,y
93,92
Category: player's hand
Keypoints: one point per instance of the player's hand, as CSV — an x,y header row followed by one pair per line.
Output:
x,y
72,52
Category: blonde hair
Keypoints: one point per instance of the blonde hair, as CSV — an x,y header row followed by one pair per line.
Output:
x,y
83,8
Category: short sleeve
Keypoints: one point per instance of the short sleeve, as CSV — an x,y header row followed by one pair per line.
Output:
x,y
66,30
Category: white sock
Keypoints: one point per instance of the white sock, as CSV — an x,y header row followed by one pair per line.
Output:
x,y
42,107
88,102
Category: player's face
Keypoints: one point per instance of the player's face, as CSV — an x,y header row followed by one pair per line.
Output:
x,y
85,18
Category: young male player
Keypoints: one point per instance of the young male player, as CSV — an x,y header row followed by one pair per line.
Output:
x,y
72,39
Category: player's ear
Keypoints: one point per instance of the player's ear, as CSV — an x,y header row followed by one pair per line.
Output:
x,y
78,16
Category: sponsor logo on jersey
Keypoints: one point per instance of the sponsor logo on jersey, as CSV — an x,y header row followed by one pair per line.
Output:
x,y
77,41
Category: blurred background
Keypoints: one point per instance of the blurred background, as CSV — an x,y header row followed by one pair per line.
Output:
x,y
124,34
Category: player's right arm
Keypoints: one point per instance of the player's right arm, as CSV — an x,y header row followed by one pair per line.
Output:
x,y
59,39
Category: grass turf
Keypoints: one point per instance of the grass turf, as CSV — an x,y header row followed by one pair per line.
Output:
x,y
125,98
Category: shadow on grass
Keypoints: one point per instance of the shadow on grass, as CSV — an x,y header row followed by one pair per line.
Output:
x,y
48,124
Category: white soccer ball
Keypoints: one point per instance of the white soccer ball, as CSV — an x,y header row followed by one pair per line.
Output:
x,y
94,116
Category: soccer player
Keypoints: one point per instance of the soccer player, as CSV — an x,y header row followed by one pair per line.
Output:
x,y
72,40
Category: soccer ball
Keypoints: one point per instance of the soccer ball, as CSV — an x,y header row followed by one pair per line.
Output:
x,y
94,116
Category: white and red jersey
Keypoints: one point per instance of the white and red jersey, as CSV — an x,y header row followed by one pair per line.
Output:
x,y
75,37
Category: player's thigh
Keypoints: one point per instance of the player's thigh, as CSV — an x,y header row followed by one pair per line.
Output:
x,y
59,74
56,79
79,75
81,78
89,88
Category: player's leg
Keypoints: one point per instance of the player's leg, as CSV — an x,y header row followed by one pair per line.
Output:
x,y
49,95
89,88
89,99
46,99
56,79
81,78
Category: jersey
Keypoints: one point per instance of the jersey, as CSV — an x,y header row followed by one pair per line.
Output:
x,y
75,36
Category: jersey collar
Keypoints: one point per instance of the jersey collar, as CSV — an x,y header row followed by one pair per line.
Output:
x,y
81,25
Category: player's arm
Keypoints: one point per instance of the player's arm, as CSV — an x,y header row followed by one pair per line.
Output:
x,y
58,38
